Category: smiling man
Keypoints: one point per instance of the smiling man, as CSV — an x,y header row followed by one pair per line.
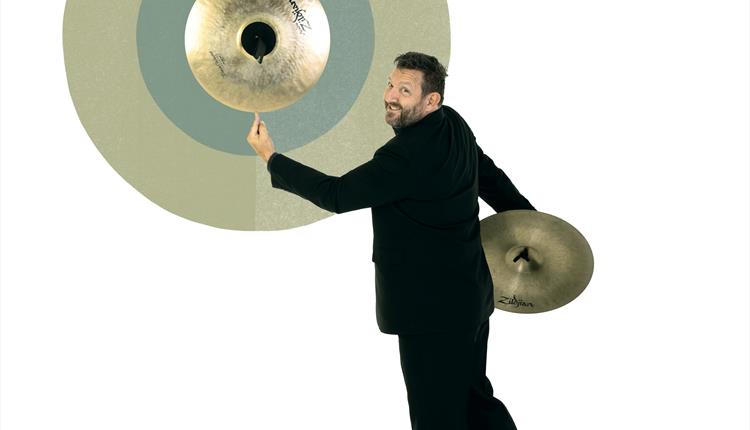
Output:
x,y
433,287
402,83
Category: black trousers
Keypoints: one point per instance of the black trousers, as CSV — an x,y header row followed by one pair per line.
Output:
x,y
446,382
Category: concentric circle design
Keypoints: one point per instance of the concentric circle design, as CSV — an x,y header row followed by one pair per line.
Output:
x,y
184,151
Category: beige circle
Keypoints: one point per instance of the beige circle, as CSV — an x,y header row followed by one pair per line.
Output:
x,y
192,180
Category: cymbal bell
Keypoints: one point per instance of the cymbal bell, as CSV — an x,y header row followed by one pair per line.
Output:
x,y
538,262
257,55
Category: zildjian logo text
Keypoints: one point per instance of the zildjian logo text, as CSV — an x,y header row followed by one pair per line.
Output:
x,y
514,301
299,17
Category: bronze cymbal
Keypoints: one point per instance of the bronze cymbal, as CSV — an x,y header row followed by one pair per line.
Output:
x,y
257,55
538,262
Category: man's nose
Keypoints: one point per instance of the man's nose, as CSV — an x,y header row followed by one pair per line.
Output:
x,y
391,96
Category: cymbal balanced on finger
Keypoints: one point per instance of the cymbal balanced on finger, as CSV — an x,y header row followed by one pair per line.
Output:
x,y
257,55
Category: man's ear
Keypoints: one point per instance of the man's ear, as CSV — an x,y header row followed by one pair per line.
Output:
x,y
434,99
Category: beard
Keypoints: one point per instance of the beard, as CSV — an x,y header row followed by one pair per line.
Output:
x,y
402,117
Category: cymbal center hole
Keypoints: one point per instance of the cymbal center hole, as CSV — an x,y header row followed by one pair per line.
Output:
x,y
524,254
258,39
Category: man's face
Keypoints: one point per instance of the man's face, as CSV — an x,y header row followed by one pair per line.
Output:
x,y
404,102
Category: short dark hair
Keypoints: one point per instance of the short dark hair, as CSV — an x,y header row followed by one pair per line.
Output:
x,y
434,72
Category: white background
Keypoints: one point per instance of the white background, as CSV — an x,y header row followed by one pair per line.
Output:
x,y
629,119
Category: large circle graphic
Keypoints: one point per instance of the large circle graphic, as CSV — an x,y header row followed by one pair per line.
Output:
x,y
189,173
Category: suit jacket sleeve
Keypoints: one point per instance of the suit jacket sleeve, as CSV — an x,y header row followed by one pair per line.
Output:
x,y
384,179
496,189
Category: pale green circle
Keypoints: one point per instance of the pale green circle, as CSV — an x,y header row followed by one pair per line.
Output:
x,y
202,184
161,54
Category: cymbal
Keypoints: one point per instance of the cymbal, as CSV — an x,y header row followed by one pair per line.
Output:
x,y
538,262
257,55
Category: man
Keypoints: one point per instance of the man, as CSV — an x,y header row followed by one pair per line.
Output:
x,y
433,286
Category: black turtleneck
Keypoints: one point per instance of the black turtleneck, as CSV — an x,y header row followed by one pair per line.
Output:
x,y
422,187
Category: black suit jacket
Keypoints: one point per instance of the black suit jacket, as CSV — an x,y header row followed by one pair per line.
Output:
x,y
422,185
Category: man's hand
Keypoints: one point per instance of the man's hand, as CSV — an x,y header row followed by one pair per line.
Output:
x,y
259,139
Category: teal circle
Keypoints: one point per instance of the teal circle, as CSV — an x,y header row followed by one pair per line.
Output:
x,y
161,53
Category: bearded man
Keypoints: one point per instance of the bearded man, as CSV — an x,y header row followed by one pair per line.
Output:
x,y
433,286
